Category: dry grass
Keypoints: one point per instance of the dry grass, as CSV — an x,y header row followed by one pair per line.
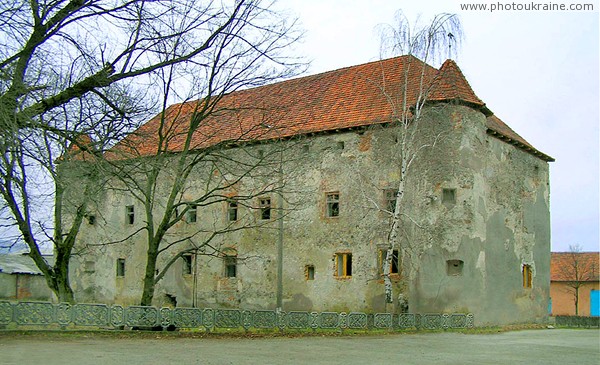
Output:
x,y
71,332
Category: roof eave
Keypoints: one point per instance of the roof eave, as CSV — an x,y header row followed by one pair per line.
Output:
x,y
520,145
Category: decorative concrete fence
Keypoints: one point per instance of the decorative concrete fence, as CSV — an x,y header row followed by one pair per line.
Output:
x,y
102,316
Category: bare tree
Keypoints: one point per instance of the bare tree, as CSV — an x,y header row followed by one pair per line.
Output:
x,y
577,269
408,100
34,187
189,144
93,67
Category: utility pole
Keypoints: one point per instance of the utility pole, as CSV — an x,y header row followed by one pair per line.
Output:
x,y
280,240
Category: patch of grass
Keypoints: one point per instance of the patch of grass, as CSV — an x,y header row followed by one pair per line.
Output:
x,y
500,329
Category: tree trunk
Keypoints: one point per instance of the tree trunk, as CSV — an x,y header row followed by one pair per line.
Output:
x,y
57,279
149,281
393,237
576,301
60,275
63,290
386,275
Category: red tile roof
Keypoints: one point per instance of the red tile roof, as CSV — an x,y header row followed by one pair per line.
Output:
x,y
500,130
563,264
451,85
335,100
81,149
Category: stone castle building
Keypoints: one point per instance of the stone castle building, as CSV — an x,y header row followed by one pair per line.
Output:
x,y
475,227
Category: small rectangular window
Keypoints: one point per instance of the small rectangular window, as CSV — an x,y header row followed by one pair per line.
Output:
x,y
130,214
333,205
187,264
449,196
390,199
527,276
232,210
343,265
120,267
89,266
230,264
454,267
192,213
394,268
265,208
309,272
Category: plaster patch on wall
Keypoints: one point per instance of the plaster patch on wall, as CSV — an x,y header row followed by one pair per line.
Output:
x,y
465,143
481,265
523,246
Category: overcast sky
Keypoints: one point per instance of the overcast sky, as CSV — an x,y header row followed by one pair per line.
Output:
x,y
536,70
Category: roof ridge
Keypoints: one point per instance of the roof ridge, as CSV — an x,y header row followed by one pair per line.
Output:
x,y
324,73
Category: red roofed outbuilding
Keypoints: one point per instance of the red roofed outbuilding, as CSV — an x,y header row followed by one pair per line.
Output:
x,y
575,281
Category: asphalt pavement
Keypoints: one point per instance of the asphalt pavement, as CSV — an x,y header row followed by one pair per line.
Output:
x,y
547,346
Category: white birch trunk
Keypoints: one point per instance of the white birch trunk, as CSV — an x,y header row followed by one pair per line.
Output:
x,y
427,43
393,237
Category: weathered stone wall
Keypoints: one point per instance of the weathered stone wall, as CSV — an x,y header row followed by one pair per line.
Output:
x,y
498,222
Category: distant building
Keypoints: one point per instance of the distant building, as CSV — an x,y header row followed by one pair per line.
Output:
x,y
570,273
20,279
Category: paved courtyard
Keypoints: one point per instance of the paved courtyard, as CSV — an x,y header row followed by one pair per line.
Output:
x,y
556,346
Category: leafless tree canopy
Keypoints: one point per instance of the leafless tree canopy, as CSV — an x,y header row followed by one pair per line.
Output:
x,y
57,51
436,40
96,68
